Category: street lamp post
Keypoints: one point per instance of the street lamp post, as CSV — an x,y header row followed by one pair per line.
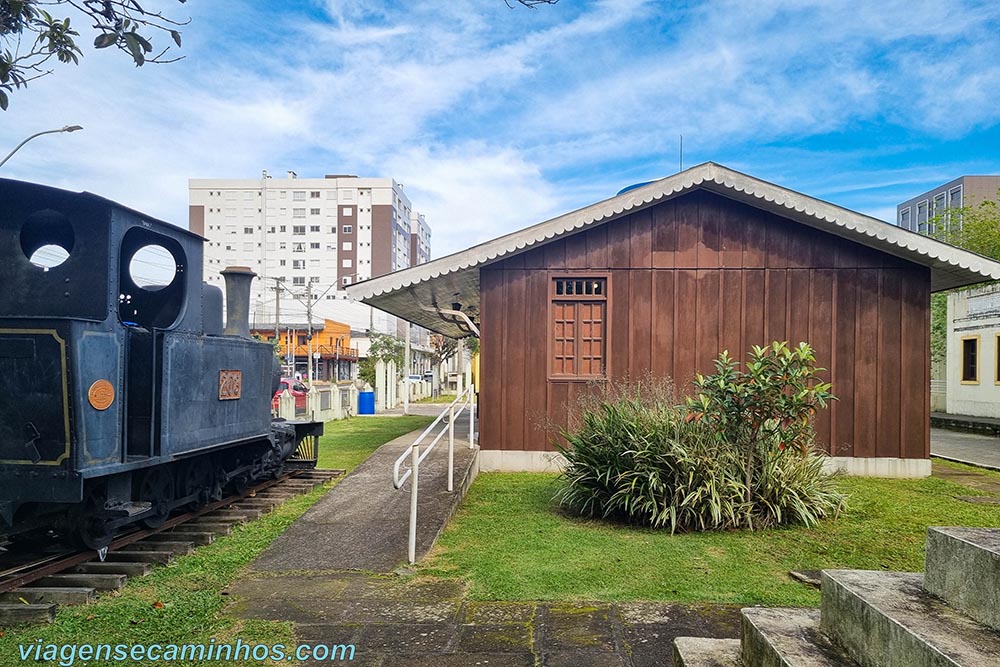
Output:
x,y
67,128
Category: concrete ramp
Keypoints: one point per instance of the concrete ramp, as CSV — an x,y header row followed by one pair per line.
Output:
x,y
362,523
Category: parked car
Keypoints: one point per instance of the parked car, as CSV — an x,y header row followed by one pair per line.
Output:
x,y
429,376
414,378
298,390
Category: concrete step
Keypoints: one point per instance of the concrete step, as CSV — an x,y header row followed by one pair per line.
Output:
x,y
219,528
888,619
301,484
49,595
254,507
217,518
787,638
128,569
263,504
129,556
703,652
100,582
11,614
241,515
194,536
176,546
963,568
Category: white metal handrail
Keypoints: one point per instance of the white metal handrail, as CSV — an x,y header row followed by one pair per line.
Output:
x,y
467,399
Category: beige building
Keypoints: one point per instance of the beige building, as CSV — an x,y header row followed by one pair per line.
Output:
x,y
974,352
917,214
314,235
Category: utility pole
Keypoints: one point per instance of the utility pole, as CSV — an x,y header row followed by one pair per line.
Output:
x,y
309,331
406,372
277,307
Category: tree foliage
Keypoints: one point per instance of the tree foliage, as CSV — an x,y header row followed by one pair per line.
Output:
x,y
33,33
770,405
974,228
531,4
442,349
31,37
383,348
386,348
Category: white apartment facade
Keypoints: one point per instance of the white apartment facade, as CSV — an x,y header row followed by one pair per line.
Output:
x,y
313,235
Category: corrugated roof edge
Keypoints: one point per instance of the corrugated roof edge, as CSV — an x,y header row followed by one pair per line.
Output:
x,y
704,174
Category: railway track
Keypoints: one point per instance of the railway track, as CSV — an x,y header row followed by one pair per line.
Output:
x,y
31,591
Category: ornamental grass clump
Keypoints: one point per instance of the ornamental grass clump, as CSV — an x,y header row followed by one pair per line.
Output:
x,y
737,454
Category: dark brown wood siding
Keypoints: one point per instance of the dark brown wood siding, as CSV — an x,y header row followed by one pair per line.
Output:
x,y
701,273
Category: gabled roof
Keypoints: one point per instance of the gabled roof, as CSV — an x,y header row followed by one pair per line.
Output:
x,y
418,292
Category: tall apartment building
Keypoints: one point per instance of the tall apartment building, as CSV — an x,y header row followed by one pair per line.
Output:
x,y
317,233
420,239
917,214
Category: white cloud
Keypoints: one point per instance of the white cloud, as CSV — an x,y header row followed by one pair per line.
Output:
x,y
474,192
496,118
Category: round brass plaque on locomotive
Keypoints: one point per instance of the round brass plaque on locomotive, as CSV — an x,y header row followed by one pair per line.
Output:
x,y
101,395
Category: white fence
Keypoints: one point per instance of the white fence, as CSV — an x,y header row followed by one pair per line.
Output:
x,y
323,403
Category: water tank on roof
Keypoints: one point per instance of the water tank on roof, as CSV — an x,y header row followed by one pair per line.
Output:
x,y
632,187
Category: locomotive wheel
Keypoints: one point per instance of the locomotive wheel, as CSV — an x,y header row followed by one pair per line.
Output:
x,y
91,528
240,484
197,479
156,487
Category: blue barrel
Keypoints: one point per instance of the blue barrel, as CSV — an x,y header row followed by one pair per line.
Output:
x,y
366,402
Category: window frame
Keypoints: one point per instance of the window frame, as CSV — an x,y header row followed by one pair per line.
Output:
x,y
961,367
552,298
996,359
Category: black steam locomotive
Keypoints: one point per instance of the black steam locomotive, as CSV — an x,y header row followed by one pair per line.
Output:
x,y
122,397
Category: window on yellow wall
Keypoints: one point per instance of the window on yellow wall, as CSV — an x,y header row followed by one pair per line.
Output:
x,y
996,360
970,360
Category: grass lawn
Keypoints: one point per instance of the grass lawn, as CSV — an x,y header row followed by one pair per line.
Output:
x,y
443,399
177,604
183,603
511,542
992,475
348,442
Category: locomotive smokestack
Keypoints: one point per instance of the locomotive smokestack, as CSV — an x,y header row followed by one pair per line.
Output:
x,y
238,279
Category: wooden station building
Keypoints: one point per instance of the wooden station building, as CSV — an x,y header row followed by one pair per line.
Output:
x,y
661,278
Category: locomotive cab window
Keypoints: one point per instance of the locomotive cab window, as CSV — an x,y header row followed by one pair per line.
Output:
x,y
47,239
578,327
151,280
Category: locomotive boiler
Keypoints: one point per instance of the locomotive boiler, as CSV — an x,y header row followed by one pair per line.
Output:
x,y
124,398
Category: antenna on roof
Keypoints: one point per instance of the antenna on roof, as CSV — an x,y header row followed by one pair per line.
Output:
x,y
680,158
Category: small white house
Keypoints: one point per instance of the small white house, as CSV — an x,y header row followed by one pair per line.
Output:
x,y
973,357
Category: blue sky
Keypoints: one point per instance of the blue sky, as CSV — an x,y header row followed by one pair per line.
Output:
x,y
497,118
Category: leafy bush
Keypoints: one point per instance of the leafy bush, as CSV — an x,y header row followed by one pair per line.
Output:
x,y
735,455
769,405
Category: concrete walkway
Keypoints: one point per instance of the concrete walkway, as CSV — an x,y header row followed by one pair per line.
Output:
x,y
409,622
980,450
362,523
321,576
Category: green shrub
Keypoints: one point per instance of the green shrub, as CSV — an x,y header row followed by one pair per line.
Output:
x,y
736,455
768,406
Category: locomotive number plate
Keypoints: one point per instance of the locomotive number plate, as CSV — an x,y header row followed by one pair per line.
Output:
x,y
230,385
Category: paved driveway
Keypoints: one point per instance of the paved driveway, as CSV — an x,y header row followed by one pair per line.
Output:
x,y
980,450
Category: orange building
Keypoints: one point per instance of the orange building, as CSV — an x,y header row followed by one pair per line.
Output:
x,y
332,353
